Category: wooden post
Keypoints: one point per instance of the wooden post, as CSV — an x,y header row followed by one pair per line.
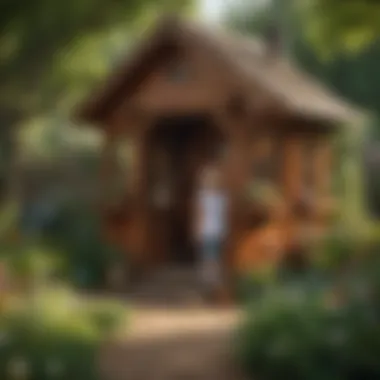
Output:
x,y
141,193
322,166
292,168
236,171
292,181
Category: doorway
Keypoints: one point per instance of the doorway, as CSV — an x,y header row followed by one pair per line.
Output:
x,y
178,148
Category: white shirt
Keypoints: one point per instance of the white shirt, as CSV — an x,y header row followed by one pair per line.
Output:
x,y
213,206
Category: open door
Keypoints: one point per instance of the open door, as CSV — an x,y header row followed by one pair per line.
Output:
x,y
179,148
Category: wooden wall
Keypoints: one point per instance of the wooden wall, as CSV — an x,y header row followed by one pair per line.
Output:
x,y
189,82
303,162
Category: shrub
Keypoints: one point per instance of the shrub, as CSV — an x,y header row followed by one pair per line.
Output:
x,y
334,253
330,331
308,336
25,266
283,337
254,283
105,314
55,336
78,234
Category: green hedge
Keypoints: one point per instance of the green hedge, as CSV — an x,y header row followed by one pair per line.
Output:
x,y
54,335
299,336
322,325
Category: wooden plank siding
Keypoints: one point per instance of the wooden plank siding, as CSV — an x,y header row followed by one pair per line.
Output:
x,y
246,103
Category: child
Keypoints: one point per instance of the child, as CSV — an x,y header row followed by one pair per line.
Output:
x,y
210,226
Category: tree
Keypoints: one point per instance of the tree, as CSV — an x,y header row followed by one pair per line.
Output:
x,y
36,35
340,26
44,44
353,76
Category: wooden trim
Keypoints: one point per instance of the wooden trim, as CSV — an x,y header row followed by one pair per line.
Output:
x,y
292,182
236,172
323,166
292,169
323,163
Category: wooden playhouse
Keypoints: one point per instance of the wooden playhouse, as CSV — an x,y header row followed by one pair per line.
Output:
x,y
189,93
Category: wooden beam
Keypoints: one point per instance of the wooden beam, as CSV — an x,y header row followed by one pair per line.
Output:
x,y
292,183
292,167
322,164
236,169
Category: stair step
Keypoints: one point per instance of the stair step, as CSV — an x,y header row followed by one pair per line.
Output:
x,y
172,284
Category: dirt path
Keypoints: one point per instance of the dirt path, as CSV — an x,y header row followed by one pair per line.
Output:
x,y
170,344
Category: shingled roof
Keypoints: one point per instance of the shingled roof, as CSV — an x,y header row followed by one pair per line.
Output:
x,y
297,91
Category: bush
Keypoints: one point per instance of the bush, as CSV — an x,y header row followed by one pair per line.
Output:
x,y
337,249
275,338
253,284
54,335
31,263
78,234
75,235
296,335
300,328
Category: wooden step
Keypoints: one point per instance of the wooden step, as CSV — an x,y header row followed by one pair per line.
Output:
x,y
179,285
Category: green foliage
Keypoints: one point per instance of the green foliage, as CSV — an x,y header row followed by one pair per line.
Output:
x,y
352,76
9,215
341,26
322,324
326,259
336,250
277,340
253,284
73,248
37,36
55,335
31,261
252,21
77,233
302,335
51,52
105,314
